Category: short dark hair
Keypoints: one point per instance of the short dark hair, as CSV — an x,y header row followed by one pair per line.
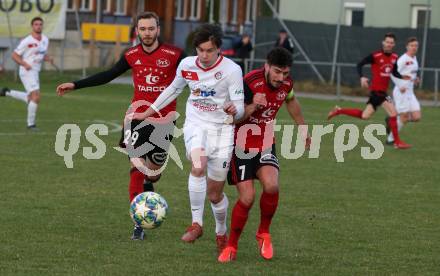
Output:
x,y
391,35
147,15
208,32
37,18
411,39
279,57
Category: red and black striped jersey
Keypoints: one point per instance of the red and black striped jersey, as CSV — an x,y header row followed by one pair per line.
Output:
x,y
153,72
258,128
382,66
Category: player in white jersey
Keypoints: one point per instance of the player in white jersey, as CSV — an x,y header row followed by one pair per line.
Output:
x,y
30,54
216,100
405,100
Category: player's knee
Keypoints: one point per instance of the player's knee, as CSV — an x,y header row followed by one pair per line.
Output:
x,y
392,113
365,116
35,99
247,198
198,171
403,118
215,196
271,188
416,117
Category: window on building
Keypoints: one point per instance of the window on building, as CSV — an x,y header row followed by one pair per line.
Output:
x,y
71,5
196,10
419,14
121,7
85,5
354,14
106,6
180,9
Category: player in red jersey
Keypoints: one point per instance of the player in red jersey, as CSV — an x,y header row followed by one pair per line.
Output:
x,y
254,157
153,66
383,64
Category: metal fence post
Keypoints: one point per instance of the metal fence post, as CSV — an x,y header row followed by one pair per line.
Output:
x,y
246,66
338,82
436,87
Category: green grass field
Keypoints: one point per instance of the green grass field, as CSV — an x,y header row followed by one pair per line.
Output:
x,y
354,218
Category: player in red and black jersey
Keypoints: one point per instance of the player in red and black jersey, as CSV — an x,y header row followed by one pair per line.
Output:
x,y
383,64
254,157
153,66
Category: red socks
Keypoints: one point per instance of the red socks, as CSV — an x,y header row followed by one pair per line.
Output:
x,y
393,126
268,206
240,213
136,185
238,220
353,112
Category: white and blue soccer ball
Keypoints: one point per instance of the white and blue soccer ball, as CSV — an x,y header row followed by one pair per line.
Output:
x,y
148,210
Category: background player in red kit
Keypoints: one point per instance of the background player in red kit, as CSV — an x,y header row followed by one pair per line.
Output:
x,y
383,64
254,157
153,67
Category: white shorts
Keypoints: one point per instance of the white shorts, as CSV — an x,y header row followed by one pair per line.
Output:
x,y
218,145
405,102
30,80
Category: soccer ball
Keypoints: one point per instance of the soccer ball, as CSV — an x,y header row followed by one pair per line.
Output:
x,y
148,210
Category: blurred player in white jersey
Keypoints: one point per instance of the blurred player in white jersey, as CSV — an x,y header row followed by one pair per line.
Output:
x,y
216,100
30,54
407,105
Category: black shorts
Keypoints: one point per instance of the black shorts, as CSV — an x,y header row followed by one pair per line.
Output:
x,y
377,98
150,141
242,169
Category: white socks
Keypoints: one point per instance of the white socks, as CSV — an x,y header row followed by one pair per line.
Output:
x,y
197,195
220,211
399,127
32,106
21,96
32,113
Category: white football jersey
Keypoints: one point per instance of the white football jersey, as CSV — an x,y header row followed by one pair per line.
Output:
x,y
407,66
209,88
32,51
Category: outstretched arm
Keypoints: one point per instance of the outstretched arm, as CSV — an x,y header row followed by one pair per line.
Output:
x,y
97,79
